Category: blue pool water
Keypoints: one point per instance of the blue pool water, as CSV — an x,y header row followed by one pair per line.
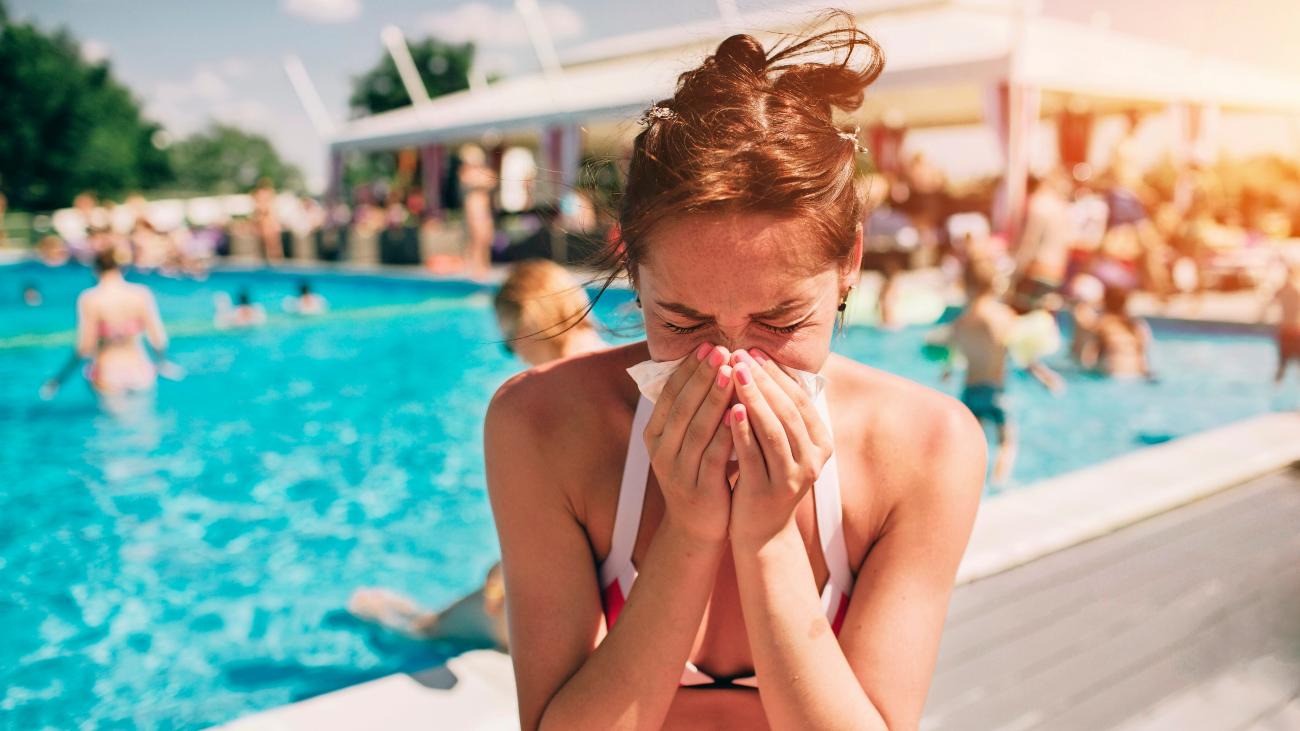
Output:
x,y
187,564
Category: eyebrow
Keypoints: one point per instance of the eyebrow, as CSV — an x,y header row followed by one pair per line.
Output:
x,y
774,312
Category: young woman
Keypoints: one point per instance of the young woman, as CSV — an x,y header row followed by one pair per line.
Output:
x,y
650,581
113,317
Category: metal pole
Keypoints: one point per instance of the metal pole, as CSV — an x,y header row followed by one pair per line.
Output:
x,y
401,54
308,96
540,36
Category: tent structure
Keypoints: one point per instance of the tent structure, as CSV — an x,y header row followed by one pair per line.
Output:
x,y
950,62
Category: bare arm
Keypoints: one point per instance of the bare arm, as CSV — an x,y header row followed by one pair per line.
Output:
x,y
153,325
629,680
87,327
877,673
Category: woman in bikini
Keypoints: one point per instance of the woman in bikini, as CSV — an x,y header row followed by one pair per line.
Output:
x,y
653,582
112,319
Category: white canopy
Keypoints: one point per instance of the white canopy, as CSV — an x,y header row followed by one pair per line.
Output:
x,y
941,59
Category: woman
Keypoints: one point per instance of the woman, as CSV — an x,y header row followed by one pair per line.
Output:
x,y
1120,343
476,183
649,579
542,314
112,318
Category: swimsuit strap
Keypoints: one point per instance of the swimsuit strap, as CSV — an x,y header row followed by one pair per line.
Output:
x,y
830,516
631,498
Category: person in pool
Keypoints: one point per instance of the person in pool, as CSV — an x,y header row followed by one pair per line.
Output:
x,y
308,302
113,317
981,334
244,314
1287,298
651,582
1121,343
542,313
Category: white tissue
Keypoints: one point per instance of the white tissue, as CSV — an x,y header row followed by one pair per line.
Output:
x,y
651,375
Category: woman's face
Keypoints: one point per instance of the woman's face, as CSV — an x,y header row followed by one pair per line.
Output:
x,y
741,281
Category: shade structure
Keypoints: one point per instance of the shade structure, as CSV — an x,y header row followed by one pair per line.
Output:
x,y
942,59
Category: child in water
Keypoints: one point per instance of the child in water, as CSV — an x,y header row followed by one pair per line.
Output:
x,y
982,334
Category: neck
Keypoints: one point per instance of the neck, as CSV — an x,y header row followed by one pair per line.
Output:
x,y
112,275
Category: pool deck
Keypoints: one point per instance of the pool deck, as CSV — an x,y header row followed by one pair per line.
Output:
x,y
1189,620
1157,590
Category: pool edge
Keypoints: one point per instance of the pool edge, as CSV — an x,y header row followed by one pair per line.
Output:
x,y
1078,506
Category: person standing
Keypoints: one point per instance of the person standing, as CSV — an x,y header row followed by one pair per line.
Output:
x,y
477,182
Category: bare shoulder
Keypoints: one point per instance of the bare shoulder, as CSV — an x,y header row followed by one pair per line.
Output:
x,y
567,391
573,407
913,438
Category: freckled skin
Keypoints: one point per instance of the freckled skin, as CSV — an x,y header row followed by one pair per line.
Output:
x,y
731,267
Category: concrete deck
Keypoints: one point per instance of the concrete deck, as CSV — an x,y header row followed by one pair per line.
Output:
x,y
1188,621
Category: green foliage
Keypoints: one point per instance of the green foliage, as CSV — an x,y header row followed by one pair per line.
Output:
x,y
444,67
67,125
225,159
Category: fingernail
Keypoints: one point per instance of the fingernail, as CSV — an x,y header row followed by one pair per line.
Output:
x,y
702,351
738,413
743,375
716,358
724,376
758,356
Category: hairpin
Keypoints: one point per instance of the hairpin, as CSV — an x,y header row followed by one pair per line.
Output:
x,y
853,137
657,112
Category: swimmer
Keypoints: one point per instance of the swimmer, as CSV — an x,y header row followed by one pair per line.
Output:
x,y
1121,344
981,334
651,582
244,314
541,312
32,295
307,302
113,317
1287,298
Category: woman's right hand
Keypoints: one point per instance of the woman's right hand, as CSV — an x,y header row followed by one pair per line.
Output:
x,y
689,446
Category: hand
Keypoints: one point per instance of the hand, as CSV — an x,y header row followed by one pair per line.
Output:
x,y
781,444
689,448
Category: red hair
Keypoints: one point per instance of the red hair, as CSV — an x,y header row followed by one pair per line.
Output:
x,y
752,130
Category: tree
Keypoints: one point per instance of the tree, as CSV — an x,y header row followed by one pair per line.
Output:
x,y
226,159
444,68
67,125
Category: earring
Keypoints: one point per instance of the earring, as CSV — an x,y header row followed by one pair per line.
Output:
x,y
844,301
638,302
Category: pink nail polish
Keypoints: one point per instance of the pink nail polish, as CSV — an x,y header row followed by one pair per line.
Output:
x,y
702,351
738,414
758,356
716,358
743,375
724,376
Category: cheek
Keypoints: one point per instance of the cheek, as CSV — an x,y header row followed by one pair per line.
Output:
x,y
806,351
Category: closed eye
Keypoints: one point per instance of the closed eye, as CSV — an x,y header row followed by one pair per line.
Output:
x,y
681,329
783,330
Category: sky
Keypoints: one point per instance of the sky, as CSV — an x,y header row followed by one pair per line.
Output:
x,y
194,61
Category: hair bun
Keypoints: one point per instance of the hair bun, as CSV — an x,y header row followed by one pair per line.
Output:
x,y
742,52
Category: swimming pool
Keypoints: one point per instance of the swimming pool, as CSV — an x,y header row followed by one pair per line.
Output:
x,y
186,565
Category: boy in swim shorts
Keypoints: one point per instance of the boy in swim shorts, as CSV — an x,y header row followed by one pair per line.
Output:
x,y
981,334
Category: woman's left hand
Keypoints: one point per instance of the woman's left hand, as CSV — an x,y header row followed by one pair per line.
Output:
x,y
781,445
